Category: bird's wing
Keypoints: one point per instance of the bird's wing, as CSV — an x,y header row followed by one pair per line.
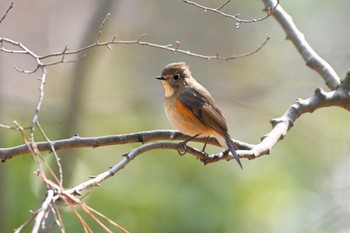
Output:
x,y
204,109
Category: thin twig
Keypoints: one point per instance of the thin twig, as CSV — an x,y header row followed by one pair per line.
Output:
x,y
7,127
52,149
84,224
224,4
29,221
97,180
167,47
28,146
45,207
58,219
107,219
65,52
101,27
40,65
91,214
234,17
7,11
40,100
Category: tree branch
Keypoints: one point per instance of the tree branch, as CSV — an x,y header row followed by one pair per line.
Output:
x,y
150,140
168,47
312,59
7,11
80,142
339,97
66,52
234,17
42,65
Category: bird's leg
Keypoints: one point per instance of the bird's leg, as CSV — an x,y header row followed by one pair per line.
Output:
x,y
205,144
183,145
226,152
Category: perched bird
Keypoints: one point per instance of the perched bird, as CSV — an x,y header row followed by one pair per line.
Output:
x,y
191,109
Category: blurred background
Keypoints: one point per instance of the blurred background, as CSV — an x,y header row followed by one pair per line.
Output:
x,y
303,186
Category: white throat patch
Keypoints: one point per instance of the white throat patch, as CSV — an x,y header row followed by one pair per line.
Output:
x,y
169,91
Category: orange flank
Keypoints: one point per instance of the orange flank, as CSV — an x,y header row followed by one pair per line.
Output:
x,y
185,112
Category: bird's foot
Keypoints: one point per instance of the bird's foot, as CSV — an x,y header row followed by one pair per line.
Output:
x,y
182,148
183,145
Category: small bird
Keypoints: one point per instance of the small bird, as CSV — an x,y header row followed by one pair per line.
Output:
x,y
191,109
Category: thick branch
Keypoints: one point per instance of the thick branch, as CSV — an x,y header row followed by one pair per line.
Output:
x,y
340,97
312,59
128,158
79,142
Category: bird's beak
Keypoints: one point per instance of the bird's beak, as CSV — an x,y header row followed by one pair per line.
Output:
x,y
160,78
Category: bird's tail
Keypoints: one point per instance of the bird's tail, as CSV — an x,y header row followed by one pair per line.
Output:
x,y
232,146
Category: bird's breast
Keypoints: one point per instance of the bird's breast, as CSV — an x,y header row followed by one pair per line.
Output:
x,y
183,120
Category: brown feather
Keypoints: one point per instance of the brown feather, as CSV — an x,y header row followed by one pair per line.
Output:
x,y
205,110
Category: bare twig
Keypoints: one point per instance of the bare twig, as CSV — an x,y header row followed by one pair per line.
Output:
x,y
7,11
101,26
84,224
58,219
56,193
107,219
41,64
97,180
29,221
312,59
167,47
7,127
40,100
29,146
45,208
207,57
71,200
223,5
234,17
52,149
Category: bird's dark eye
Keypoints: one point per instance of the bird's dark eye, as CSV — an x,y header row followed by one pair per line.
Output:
x,y
176,77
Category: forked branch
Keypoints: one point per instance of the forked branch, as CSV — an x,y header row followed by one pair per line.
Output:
x,y
236,18
312,59
339,97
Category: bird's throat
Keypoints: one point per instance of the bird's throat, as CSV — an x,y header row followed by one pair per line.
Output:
x,y
169,90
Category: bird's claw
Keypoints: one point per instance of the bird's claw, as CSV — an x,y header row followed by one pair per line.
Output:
x,y
182,148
